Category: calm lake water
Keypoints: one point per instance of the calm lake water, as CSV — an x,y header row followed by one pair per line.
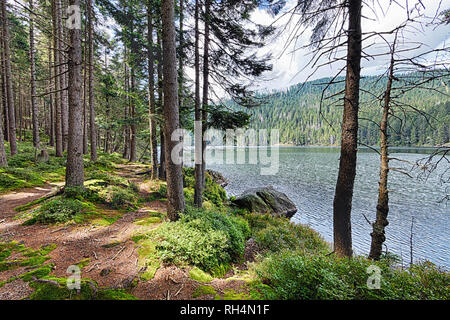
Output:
x,y
308,176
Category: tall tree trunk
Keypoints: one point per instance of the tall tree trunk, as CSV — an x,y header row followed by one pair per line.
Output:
x,y
162,154
175,194
133,156
342,205
8,81
180,56
381,222
151,93
85,72
205,86
62,77
3,160
198,187
91,83
52,111
34,109
126,150
57,74
75,168
3,93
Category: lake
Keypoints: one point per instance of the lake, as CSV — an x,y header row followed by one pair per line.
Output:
x,y
308,176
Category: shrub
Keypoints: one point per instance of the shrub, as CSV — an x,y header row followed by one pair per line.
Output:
x,y
207,239
58,210
277,234
118,198
185,243
292,275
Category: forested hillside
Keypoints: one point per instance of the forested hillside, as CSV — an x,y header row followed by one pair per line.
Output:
x,y
295,112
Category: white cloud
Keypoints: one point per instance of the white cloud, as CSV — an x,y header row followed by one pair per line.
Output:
x,y
287,66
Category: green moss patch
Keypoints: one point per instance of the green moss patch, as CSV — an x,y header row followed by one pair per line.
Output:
x,y
203,291
200,275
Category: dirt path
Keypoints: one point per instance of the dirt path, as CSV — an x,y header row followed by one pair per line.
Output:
x,y
113,256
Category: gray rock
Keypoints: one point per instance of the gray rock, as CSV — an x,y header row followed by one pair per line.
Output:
x,y
266,200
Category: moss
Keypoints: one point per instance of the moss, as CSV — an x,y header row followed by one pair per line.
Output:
x,y
147,221
37,273
83,263
115,294
29,256
148,261
200,275
203,291
231,294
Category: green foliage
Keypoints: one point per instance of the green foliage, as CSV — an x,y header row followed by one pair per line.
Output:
x,y
292,275
59,210
277,234
199,275
119,198
207,239
203,291
213,192
56,211
294,112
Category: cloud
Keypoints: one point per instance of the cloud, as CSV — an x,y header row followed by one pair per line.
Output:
x,y
288,60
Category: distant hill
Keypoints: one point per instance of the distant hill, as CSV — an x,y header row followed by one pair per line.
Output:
x,y
295,112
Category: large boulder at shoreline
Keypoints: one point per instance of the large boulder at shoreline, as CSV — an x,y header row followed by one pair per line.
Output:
x,y
266,200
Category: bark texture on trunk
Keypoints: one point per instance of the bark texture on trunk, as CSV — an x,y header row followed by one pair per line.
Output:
x,y
205,86
381,222
34,108
75,167
175,194
342,205
198,187
57,73
151,94
162,154
8,81
133,156
91,83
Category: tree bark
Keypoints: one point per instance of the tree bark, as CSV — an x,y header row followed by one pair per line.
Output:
x,y
51,105
151,93
342,204
198,187
62,77
75,168
57,73
205,86
91,83
34,108
133,156
8,81
175,193
162,156
381,222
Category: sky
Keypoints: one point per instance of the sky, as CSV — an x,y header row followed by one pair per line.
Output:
x,y
288,65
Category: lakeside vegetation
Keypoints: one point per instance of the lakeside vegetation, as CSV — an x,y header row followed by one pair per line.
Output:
x,y
289,261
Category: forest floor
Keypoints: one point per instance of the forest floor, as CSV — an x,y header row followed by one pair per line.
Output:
x,y
107,253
